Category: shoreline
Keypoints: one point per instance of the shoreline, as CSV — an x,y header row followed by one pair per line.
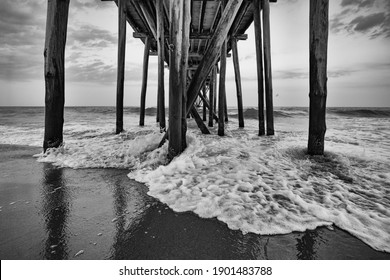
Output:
x,y
56,213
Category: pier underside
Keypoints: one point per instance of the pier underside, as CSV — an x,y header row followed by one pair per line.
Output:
x,y
193,38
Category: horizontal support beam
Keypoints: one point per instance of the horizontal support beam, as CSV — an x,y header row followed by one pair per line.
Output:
x,y
193,36
191,55
200,0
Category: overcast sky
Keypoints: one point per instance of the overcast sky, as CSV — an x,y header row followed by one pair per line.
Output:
x,y
358,57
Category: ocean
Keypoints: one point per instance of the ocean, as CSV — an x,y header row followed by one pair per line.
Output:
x,y
262,185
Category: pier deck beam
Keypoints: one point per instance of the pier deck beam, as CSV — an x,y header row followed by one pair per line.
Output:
x,y
238,83
319,21
267,68
121,64
144,81
55,41
259,60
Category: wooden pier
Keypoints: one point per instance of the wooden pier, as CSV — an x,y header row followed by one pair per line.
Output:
x,y
193,37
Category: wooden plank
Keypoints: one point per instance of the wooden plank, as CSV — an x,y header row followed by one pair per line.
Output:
x,y
238,83
201,17
144,81
203,128
259,60
148,16
121,65
160,63
54,59
206,102
213,51
319,24
267,68
240,15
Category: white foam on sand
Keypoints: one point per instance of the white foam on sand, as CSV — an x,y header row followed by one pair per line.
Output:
x,y
269,186
264,185
126,150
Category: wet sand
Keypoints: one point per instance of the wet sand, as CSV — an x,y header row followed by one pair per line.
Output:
x,y
60,213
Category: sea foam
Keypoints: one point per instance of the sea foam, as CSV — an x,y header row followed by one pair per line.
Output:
x,y
264,185
269,186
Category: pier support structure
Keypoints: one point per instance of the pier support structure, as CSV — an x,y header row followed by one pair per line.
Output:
x,y
54,59
161,59
212,92
319,21
238,83
267,68
259,59
180,19
144,81
121,64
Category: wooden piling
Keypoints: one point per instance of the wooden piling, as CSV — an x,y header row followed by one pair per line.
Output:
x,y
161,59
184,66
259,60
267,68
211,96
121,64
204,111
215,69
238,83
225,103
54,58
179,39
319,22
144,81
221,93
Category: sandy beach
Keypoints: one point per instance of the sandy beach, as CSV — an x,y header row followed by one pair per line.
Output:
x,y
61,213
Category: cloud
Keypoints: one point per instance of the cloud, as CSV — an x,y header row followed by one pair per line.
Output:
x,y
358,3
90,36
22,39
366,17
83,4
364,23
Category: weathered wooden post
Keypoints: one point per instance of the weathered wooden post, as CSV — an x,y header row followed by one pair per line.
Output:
x,y
267,68
54,56
212,87
121,64
204,111
319,21
161,59
184,65
179,40
238,83
222,85
259,60
225,103
144,81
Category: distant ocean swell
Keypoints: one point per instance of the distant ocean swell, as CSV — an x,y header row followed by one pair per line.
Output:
x,y
264,185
